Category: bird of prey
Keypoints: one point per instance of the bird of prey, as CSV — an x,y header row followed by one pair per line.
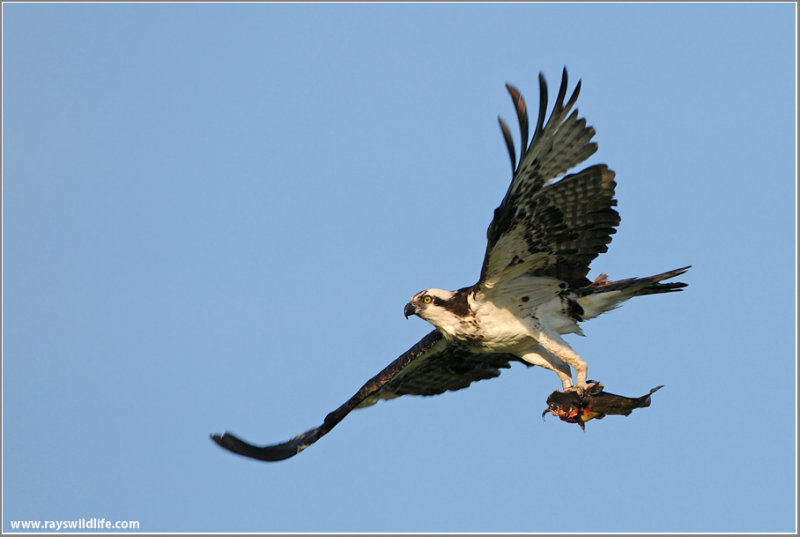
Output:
x,y
533,286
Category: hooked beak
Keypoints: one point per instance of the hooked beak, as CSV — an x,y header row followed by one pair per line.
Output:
x,y
409,310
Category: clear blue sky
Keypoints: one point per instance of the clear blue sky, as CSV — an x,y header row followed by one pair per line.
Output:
x,y
214,214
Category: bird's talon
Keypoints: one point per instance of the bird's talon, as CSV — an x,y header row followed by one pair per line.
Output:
x,y
590,387
593,387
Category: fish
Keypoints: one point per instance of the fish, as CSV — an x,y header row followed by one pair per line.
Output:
x,y
595,403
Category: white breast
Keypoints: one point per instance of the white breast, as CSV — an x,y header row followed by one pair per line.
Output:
x,y
494,329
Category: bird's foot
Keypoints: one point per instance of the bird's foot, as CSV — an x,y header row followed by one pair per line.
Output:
x,y
590,387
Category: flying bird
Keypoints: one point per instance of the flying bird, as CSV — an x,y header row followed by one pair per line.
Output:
x,y
533,286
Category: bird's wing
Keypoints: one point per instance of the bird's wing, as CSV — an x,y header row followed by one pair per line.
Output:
x,y
434,365
545,227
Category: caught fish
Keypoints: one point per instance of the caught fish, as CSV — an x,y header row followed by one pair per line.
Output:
x,y
595,403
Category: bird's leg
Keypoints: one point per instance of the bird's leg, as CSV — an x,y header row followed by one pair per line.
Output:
x,y
554,344
542,358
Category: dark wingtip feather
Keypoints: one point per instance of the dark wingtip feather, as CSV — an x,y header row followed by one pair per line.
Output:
x,y
522,116
542,108
277,452
575,94
562,92
509,144
513,91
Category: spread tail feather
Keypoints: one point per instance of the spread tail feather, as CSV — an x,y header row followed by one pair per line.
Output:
x,y
602,295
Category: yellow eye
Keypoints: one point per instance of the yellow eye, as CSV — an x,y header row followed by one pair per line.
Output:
x,y
427,299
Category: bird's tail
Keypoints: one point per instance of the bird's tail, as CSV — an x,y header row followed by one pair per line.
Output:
x,y
603,295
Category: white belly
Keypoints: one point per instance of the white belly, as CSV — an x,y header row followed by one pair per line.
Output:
x,y
508,329
496,330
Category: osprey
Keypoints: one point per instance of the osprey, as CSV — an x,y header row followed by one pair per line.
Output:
x,y
532,287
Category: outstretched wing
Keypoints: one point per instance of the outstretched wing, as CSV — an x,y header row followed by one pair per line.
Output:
x,y
546,227
434,365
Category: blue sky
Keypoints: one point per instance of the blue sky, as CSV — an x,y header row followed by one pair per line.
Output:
x,y
214,214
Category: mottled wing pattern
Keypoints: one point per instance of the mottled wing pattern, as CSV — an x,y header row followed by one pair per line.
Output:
x,y
572,223
543,226
446,366
433,366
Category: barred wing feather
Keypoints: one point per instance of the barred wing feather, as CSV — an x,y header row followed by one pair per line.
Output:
x,y
545,226
433,366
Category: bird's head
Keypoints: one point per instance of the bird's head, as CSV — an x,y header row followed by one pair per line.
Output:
x,y
434,305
